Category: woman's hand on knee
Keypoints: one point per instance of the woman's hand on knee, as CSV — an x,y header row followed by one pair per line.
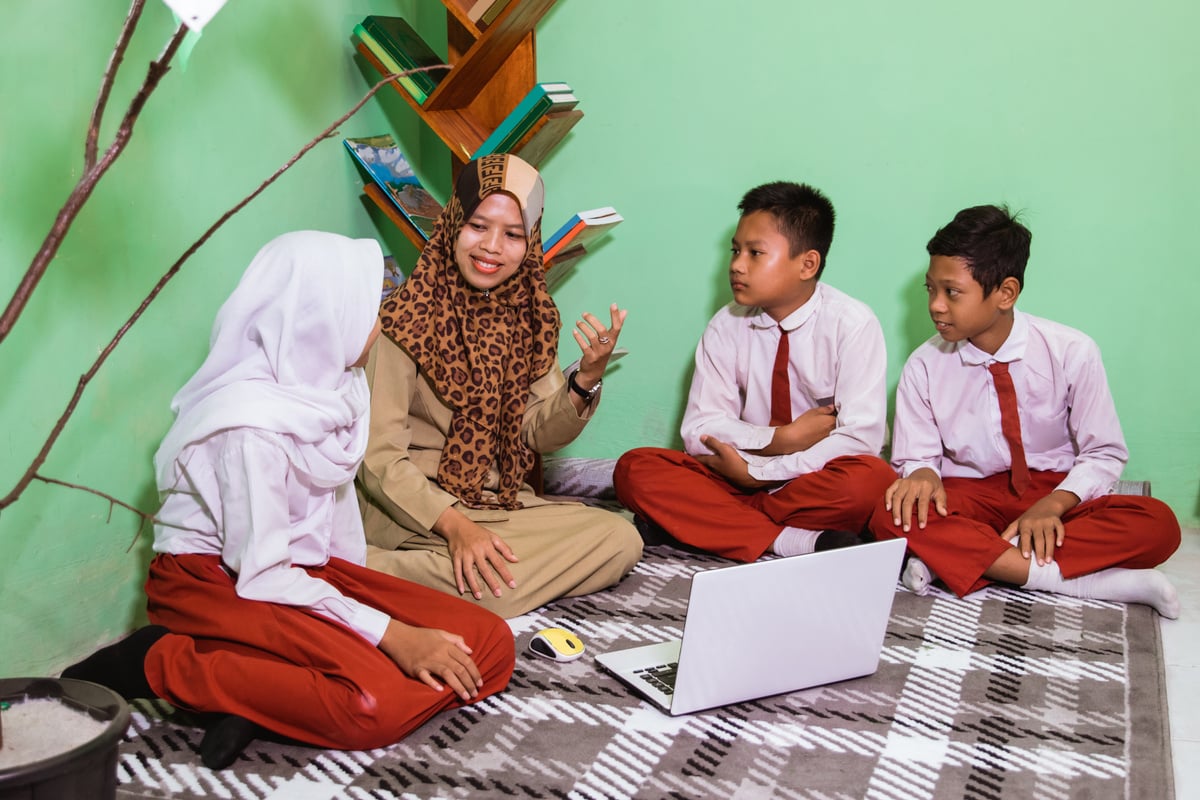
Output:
x,y
476,552
427,654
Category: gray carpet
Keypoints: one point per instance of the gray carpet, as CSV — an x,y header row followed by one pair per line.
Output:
x,y
1006,694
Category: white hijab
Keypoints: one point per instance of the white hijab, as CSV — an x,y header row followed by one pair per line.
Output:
x,y
279,355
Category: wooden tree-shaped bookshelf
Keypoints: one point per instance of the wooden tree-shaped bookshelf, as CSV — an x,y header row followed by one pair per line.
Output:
x,y
492,69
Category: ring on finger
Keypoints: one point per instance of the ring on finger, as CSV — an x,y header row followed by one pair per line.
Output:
x,y
604,340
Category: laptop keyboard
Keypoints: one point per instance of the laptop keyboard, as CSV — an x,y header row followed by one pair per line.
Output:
x,y
661,677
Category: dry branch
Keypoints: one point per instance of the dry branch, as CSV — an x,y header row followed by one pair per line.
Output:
x,y
32,472
106,82
93,174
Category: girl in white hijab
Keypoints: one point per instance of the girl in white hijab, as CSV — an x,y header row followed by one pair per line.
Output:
x,y
261,607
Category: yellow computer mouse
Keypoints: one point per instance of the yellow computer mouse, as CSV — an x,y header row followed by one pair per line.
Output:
x,y
556,644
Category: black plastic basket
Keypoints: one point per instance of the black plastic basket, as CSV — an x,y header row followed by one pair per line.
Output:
x,y
86,772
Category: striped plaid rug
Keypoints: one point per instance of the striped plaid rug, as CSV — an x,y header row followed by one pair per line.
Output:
x,y
1006,694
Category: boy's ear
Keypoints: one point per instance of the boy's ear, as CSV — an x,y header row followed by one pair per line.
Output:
x,y
1009,290
810,264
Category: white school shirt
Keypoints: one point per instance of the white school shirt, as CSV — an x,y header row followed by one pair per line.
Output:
x,y
247,505
948,415
836,355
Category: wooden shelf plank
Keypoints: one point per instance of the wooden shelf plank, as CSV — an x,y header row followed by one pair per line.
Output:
x,y
459,10
457,130
377,195
487,57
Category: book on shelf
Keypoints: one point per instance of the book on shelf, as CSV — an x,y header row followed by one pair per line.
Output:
x,y
392,276
542,140
388,168
486,11
390,64
542,99
406,47
551,105
579,230
560,267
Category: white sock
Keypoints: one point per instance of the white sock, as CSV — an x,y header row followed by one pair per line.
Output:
x,y
1147,586
795,542
917,577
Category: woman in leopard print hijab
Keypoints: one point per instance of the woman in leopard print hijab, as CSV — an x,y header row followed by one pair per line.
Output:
x,y
466,388
480,347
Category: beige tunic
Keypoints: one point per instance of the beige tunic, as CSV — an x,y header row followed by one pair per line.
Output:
x,y
564,549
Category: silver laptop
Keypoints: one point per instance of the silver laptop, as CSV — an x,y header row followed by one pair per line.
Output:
x,y
770,627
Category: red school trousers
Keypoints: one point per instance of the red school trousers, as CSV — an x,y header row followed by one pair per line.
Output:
x,y
1110,531
300,674
702,509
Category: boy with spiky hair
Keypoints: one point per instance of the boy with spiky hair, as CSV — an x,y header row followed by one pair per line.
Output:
x,y
786,413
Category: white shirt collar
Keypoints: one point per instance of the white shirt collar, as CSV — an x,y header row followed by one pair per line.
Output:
x,y
1013,348
793,320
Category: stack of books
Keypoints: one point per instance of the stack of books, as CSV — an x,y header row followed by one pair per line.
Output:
x,y
543,99
399,48
583,228
570,242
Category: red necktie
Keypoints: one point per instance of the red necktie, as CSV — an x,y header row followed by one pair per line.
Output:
x,y
1010,425
781,392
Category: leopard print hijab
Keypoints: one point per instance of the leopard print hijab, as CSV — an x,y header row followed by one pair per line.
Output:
x,y
481,351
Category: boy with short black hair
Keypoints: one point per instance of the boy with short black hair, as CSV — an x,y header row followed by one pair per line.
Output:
x,y
786,413
1005,425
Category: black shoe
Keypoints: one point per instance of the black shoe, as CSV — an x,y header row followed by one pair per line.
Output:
x,y
651,533
833,540
121,666
225,740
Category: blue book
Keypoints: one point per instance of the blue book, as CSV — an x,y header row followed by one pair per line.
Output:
x,y
522,118
388,167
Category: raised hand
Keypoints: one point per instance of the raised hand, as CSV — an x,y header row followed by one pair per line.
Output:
x,y
597,341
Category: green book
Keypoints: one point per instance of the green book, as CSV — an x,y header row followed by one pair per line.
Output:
x,y
407,47
550,104
518,122
385,58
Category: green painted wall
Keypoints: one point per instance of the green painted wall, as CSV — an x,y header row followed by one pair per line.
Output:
x,y
902,116
1086,118
258,86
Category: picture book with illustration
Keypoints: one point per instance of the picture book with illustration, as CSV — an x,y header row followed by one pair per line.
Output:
x,y
389,169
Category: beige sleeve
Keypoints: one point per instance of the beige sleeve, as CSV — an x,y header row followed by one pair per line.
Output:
x,y
551,421
403,450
